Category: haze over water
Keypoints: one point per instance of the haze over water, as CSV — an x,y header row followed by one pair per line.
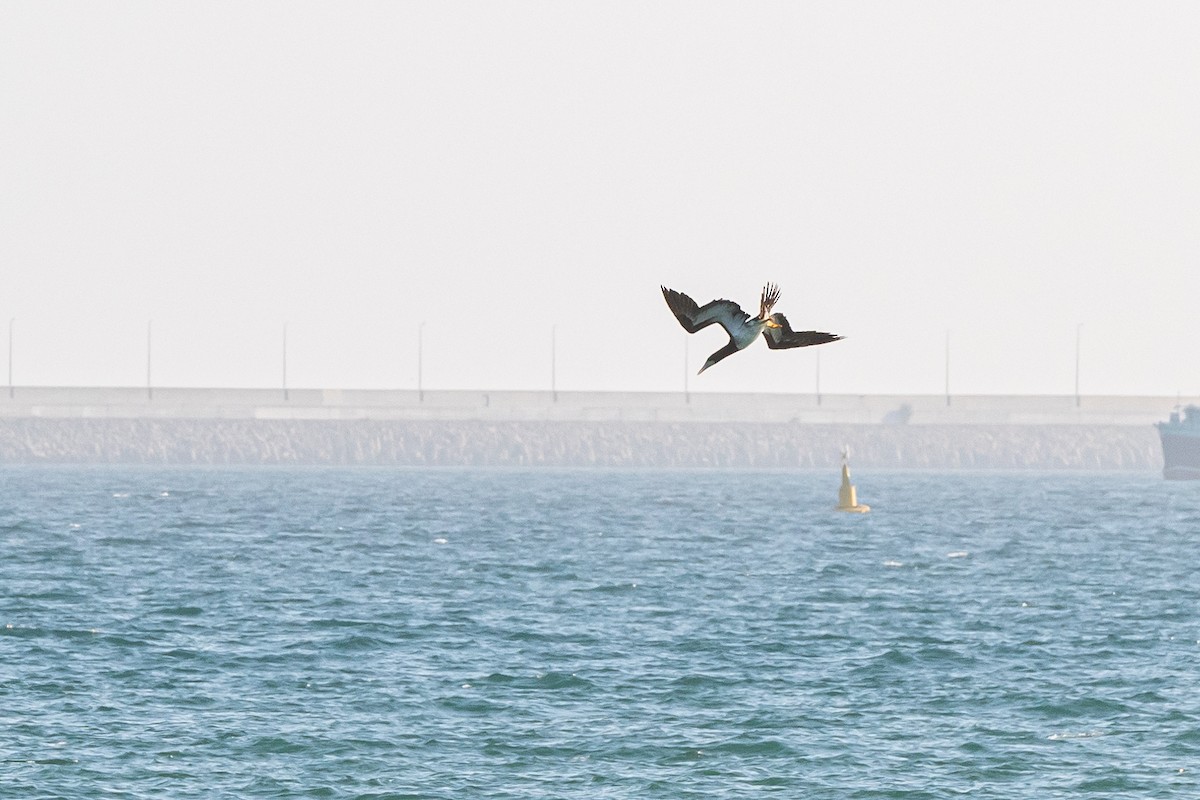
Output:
x,y
388,633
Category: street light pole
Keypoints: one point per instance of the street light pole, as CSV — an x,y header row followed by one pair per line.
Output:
x,y
149,385
285,385
1078,328
947,368
687,395
420,362
818,377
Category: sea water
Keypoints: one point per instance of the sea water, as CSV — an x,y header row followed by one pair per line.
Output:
x,y
398,633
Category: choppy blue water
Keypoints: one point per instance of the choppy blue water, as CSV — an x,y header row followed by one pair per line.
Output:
x,y
357,633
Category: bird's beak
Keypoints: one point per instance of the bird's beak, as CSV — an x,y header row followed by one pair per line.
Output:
x,y
773,324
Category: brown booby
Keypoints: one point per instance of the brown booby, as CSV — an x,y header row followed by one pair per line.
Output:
x,y
741,327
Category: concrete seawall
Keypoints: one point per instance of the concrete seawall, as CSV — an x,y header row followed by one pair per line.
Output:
x,y
509,406
553,443
446,428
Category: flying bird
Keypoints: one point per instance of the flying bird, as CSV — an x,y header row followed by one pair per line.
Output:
x,y
741,327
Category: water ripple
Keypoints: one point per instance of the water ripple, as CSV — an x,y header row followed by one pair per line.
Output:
x,y
392,633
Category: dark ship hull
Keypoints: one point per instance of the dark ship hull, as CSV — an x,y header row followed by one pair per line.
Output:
x,y
1181,456
1181,445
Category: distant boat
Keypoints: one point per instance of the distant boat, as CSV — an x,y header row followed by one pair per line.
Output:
x,y
1181,444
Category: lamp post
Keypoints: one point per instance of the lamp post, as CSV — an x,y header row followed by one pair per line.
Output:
x,y
687,395
149,385
947,369
818,377
1078,328
285,384
420,362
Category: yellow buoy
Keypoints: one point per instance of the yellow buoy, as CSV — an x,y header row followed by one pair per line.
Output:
x,y
847,496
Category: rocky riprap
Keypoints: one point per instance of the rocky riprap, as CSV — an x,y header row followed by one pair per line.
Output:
x,y
604,444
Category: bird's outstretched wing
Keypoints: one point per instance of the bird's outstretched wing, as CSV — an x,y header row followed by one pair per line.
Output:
x,y
784,337
726,313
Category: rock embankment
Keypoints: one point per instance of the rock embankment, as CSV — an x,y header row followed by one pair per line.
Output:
x,y
604,444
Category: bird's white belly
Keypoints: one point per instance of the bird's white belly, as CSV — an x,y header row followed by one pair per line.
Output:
x,y
746,334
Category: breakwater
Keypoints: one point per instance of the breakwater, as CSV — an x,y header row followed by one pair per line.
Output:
x,y
599,444
517,406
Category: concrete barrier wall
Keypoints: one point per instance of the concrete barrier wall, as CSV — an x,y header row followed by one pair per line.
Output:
x,y
556,443
352,404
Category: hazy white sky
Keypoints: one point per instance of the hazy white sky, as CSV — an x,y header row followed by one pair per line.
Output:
x,y
1005,171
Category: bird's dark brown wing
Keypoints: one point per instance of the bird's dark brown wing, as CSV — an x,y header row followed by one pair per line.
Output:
x,y
692,317
784,337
